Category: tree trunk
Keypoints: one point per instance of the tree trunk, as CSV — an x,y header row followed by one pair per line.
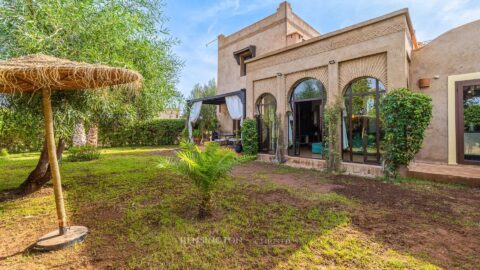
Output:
x,y
92,136
41,174
79,137
205,209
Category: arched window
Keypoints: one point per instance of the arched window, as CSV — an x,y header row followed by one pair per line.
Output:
x,y
266,110
308,89
305,123
362,132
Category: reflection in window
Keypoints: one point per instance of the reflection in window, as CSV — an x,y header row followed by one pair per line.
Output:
x,y
308,89
266,109
361,126
471,121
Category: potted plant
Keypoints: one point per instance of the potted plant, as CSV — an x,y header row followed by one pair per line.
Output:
x,y
197,136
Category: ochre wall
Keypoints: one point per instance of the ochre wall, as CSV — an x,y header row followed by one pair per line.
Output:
x,y
268,34
455,52
378,50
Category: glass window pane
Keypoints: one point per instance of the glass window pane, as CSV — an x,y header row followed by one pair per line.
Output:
x,y
266,115
471,113
308,89
363,122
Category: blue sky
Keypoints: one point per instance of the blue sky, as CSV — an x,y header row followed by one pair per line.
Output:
x,y
196,23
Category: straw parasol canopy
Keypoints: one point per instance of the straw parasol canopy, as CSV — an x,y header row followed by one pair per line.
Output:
x,y
47,74
36,72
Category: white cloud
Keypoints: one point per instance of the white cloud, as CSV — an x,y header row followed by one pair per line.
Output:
x,y
216,9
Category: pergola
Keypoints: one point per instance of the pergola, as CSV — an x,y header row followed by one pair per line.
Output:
x,y
235,101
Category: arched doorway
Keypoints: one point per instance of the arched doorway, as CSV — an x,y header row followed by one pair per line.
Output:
x,y
266,111
362,133
305,131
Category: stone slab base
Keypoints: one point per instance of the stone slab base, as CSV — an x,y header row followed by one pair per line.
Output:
x,y
363,170
462,174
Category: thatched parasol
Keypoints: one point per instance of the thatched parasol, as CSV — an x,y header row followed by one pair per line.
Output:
x,y
45,73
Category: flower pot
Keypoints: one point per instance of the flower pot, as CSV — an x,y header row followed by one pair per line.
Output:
x,y
197,140
424,83
238,148
402,171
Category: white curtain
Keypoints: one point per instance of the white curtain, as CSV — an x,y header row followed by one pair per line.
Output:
x,y
235,107
194,114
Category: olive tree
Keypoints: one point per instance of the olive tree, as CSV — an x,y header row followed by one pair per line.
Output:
x,y
121,33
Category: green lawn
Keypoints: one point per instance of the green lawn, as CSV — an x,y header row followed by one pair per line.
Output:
x,y
141,217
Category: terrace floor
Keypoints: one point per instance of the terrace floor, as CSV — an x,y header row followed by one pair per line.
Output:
x,y
466,174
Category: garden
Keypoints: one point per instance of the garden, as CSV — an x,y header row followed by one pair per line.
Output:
x,y
264,216
84,155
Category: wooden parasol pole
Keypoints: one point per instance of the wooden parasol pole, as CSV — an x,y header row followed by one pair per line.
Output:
x,y
52,158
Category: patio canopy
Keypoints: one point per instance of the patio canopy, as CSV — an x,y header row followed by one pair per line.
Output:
x,y
235,104
220,99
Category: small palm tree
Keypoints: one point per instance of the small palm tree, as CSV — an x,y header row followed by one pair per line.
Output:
x,y
205,168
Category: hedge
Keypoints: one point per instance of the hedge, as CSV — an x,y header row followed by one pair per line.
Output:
x,y
147,133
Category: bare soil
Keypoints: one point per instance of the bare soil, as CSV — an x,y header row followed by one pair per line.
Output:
x,y
434,222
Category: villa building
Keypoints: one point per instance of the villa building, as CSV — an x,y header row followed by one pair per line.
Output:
x,y
285,72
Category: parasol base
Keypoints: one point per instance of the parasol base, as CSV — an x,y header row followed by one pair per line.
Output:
x,y
55,241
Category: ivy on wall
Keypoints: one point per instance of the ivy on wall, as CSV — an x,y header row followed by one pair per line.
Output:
x,y
405,116
332,116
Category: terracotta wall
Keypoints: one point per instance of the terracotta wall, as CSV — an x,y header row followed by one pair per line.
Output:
x,y
453,53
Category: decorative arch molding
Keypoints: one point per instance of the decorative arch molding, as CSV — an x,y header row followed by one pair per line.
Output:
x,y
370,66
264,86
292,79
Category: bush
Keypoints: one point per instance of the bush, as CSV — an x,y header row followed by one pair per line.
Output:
x,y
4,152
16,137
83,153
249,137
147,133
406,116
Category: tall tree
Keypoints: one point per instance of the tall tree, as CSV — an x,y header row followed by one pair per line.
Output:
x,y
122,33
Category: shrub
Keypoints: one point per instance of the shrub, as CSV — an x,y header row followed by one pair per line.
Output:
x,y
249,137
147,133
205,168
4,152
83,153
406,116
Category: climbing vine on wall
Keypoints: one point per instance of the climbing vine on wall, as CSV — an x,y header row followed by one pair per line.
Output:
x,y
332,116
405,116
